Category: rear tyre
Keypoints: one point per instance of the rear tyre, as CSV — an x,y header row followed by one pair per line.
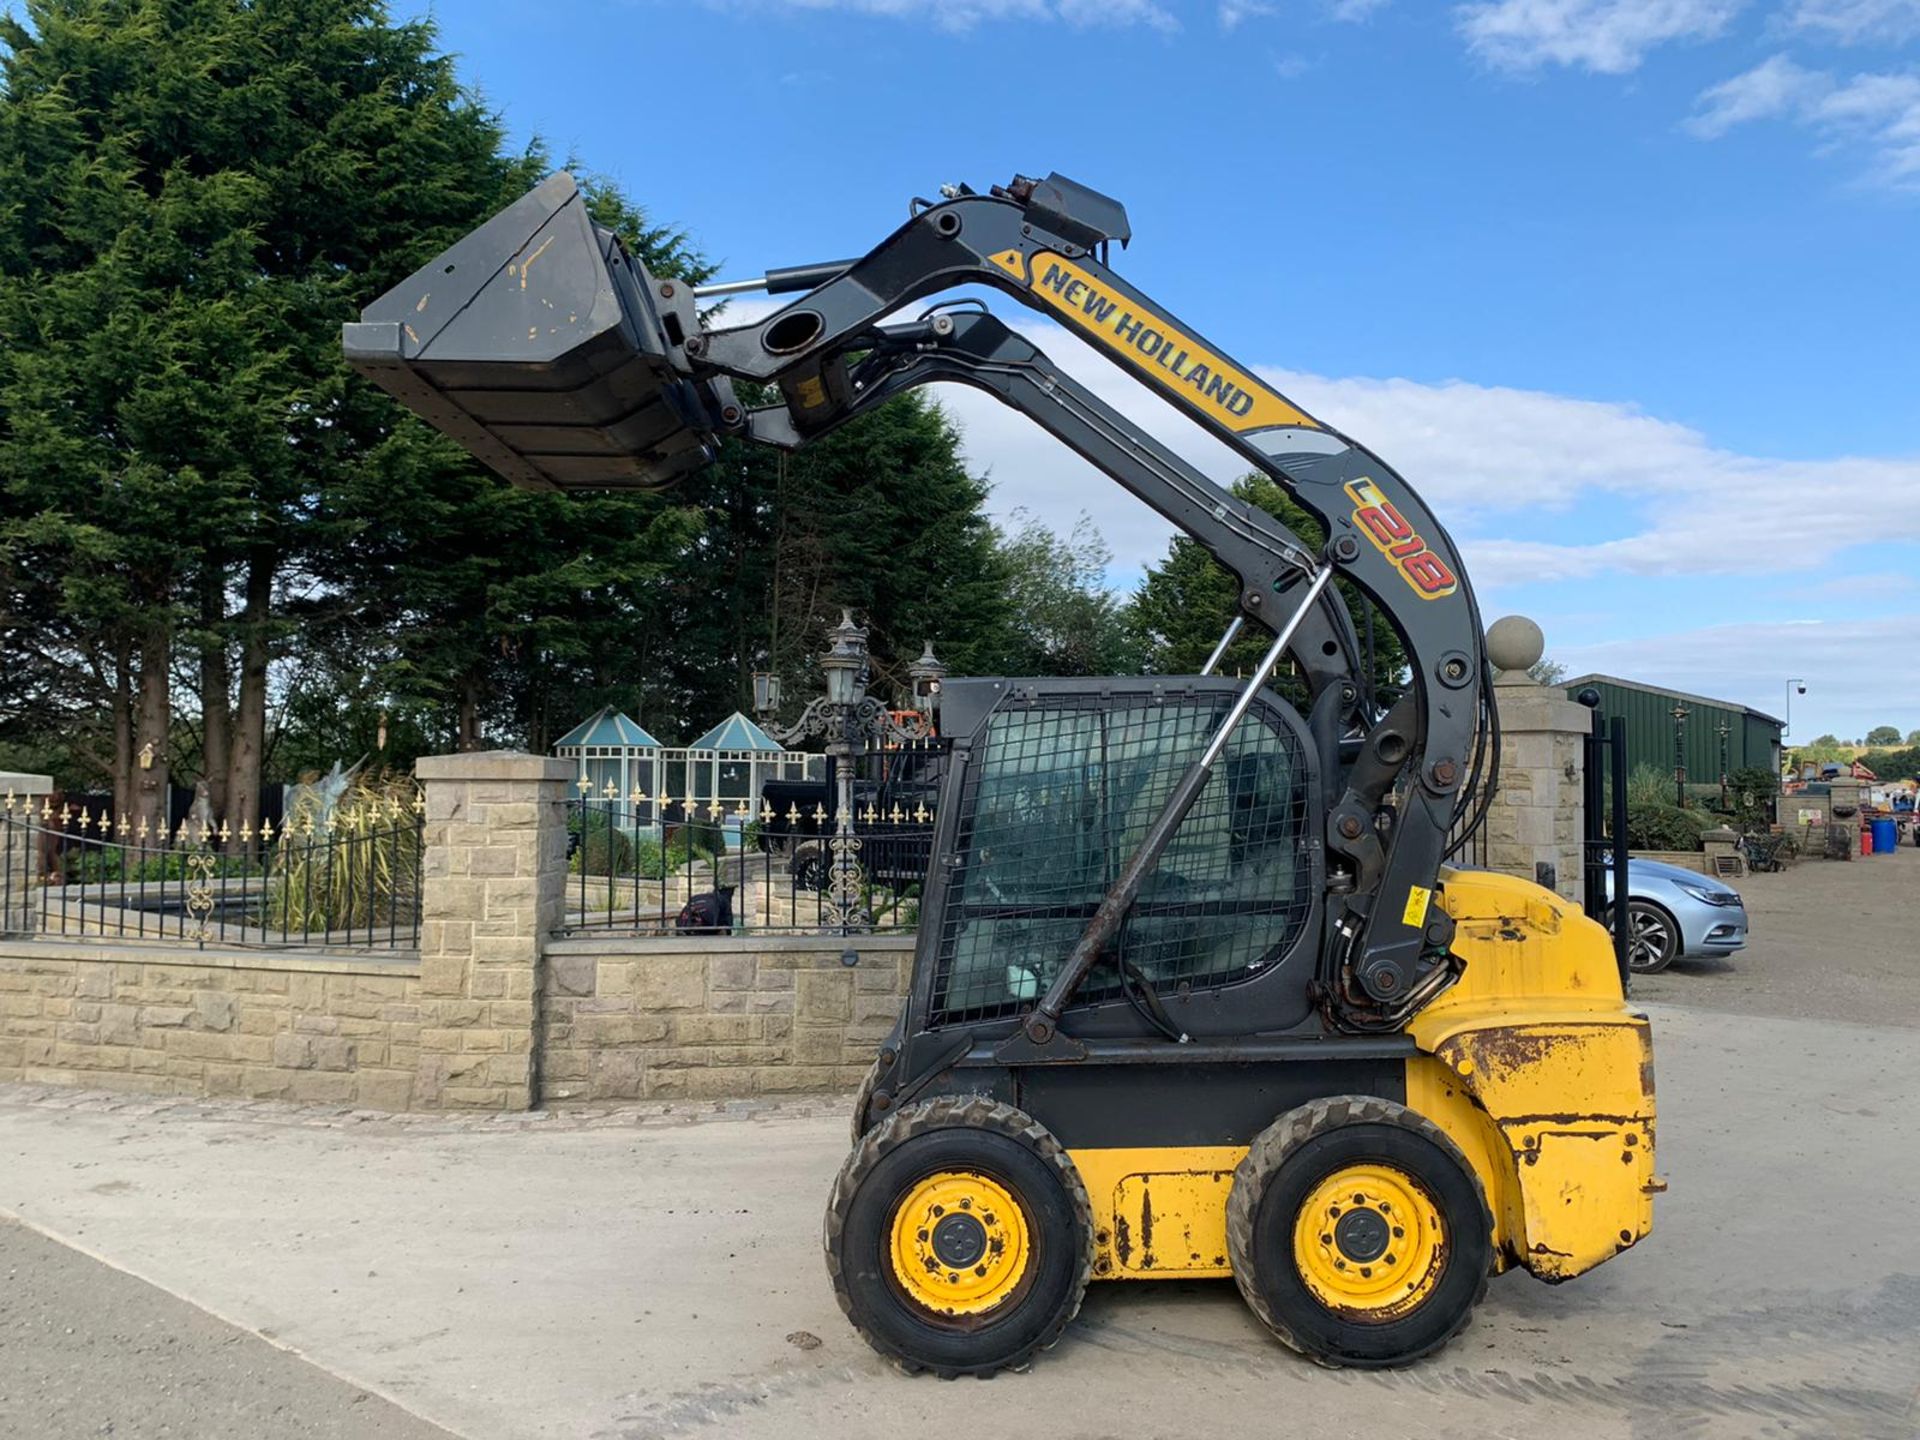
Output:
x,y
958,1237
1653,938
862,1098
1358,1233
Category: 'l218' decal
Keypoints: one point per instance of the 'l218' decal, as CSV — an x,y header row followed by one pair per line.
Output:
x,y
1394,538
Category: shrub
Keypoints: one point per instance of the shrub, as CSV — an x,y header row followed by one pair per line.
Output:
x,y
604,851
1663,825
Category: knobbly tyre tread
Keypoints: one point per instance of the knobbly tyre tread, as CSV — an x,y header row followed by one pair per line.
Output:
x,y
949,1112
1270,1151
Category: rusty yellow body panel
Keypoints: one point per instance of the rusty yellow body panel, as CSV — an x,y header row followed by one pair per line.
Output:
x,y
1541,1074
1533,1065
1159,1213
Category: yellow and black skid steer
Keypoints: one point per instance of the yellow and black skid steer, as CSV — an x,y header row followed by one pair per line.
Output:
x,y
1196,992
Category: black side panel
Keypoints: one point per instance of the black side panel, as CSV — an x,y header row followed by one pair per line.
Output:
x,y
1108,1106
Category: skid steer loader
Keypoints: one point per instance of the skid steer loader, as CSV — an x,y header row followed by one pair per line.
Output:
x,y
1195,991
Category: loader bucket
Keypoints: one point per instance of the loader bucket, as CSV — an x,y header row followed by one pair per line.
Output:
x,y
545,349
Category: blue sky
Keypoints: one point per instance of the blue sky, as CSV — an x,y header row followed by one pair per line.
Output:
x,y
1626,287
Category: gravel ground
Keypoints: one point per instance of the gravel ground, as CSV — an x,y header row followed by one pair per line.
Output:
x,y
88,1350
1830,941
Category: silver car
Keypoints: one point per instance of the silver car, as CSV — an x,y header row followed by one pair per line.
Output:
x,y
1673,911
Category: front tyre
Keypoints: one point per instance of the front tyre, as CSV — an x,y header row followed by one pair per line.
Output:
x,y
959,1238
1358,1233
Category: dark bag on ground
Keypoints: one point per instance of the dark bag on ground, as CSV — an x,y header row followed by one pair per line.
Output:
x,y
708,914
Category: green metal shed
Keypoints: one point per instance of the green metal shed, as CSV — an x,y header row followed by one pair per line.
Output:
x,y
1751,737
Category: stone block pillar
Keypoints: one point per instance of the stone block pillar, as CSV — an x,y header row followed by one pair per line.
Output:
x,y
19,846
1537,815
493,889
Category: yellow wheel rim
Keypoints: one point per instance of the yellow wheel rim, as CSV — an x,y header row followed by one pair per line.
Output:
x,y
1369,1243
960,1244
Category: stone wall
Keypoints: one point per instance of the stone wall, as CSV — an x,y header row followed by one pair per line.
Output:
x,y
1536,817
492,1014
493,887
174,1020
631,1019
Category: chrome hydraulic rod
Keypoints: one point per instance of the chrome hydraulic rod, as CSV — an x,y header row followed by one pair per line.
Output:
x,y
1233,629
1106,922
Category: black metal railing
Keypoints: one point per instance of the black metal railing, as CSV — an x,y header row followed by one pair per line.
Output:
x,y
350,877
640,868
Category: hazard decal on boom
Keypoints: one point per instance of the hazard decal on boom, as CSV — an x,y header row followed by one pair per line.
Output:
x,y
1180,365
1381,522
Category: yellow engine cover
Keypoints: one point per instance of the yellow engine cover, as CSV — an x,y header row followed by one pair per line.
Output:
x,y
1532,1064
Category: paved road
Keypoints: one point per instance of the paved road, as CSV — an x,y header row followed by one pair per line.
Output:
x,y
641,1276
87,1350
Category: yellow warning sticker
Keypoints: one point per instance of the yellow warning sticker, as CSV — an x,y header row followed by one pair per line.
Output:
x,y
1416,912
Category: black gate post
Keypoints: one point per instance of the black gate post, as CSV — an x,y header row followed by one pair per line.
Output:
x,y
1617,750
1604,750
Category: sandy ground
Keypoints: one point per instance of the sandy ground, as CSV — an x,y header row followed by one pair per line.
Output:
x,y
1837,940
649,1274
656,1273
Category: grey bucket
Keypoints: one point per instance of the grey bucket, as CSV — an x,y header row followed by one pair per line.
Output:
x,y
546,350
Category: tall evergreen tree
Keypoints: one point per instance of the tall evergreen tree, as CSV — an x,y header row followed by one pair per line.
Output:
x,y
197,191
1185,603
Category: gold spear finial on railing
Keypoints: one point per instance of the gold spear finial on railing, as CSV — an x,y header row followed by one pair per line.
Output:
x,y
586,787
610,790
306,825
246,831
419,804
920,812
226,832
9,802
766,813
897,816
266,830
793,814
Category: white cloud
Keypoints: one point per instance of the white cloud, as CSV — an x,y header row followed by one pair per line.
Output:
x,y
1877,112
1494,462
1234,12
1291,66
1849,22
1610,37
960,15
1772,87
1354,10
1750,662
1497,464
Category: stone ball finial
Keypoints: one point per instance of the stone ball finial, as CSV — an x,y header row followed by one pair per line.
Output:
x,y
1515,643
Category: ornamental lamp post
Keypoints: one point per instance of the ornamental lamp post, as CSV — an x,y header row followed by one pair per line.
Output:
x,y
846,717
926,673
844,666
1680,713
766,693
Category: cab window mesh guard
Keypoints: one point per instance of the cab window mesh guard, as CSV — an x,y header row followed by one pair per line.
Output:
x,y
1063,793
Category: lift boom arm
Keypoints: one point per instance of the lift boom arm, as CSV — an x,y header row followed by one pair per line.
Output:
x,y
616,380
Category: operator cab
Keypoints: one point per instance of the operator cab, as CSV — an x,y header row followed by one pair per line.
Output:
x,y
1051,786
